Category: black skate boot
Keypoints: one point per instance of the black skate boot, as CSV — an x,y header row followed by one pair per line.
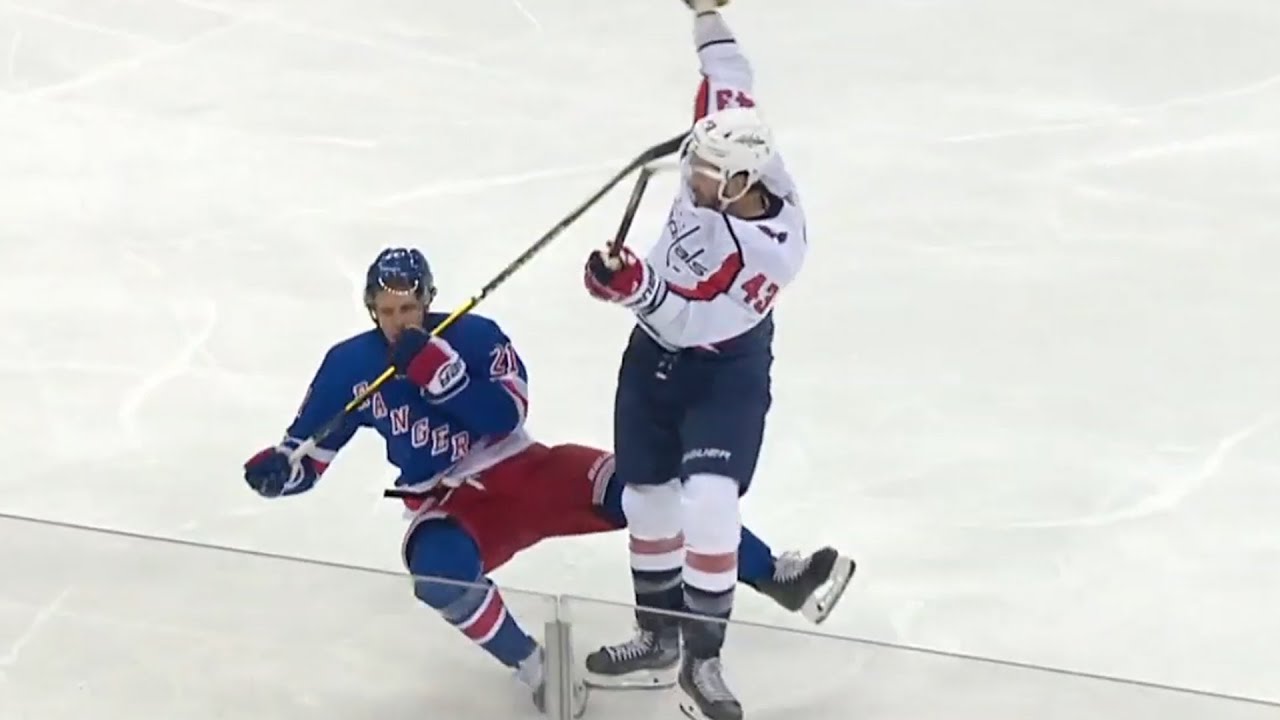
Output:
x,y
532,672
647,660
704,694
797,580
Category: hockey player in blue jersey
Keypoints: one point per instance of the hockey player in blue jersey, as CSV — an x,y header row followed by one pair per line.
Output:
x,y
453,423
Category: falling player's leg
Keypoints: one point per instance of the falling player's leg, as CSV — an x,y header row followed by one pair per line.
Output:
x,y
809,584
540,493
647,455
449,576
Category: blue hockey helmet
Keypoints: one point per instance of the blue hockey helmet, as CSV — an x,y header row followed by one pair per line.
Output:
x,y
401,271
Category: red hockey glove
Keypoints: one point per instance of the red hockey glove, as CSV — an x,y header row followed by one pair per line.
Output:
x,y
429,362
625,279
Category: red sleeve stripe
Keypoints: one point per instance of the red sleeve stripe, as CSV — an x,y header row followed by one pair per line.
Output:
x,y
719,282
702,102
716,284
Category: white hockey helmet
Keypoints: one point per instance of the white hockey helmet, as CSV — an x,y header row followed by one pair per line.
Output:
x,y
732,141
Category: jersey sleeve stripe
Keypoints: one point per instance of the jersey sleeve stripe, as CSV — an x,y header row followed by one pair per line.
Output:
x,y
319,454
717,41
719,282
702,102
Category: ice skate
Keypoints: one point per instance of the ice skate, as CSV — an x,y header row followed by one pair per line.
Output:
x,y
648,660
532,673
703,692
812,585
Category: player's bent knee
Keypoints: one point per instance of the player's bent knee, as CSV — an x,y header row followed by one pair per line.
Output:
x,y
712,520
653,511
712,530
441,556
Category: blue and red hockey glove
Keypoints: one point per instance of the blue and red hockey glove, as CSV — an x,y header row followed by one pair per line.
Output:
x,y
624,279
429,362
270,473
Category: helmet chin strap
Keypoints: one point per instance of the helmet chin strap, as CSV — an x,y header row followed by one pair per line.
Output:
x,y
726,201
722,182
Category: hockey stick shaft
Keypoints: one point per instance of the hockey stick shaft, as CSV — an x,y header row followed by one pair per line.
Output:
x,y
629,215
656,152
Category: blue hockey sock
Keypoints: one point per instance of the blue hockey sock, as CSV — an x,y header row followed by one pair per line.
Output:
x,y
611,505
441,551
755,559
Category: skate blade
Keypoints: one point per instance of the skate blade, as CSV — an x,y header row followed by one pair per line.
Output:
x,y
581,696
689,707
658,679
818,607
691,711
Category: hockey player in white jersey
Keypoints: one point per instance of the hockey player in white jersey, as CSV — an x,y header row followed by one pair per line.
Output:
x,y
694,386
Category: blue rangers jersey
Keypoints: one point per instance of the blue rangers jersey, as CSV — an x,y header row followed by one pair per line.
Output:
x,y
429,442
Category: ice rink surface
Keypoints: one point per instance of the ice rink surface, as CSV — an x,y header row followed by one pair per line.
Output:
x,y
1029,377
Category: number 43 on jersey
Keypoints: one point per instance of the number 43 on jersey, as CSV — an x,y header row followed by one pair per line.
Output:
x,y
759,292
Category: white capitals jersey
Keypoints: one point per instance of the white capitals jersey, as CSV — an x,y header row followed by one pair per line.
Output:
x,y
722,274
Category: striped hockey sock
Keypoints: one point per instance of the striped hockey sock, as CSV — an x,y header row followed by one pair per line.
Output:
x,y
656,565
709,580
482,616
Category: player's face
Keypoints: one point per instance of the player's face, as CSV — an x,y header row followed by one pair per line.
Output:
x,y
704,182
395,311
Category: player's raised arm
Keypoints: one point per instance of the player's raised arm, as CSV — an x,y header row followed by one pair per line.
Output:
x,y
269,472
474,375
727,77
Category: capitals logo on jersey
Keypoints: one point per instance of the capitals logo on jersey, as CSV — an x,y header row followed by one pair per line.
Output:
x,y
682,256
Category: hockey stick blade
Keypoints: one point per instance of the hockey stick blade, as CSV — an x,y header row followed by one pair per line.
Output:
x,y
656,152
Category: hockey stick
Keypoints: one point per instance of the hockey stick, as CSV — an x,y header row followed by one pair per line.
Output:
x,y
633,205
647,170
629,215
656,152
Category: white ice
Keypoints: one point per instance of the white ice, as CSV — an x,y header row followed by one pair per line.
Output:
x,y
1030,377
